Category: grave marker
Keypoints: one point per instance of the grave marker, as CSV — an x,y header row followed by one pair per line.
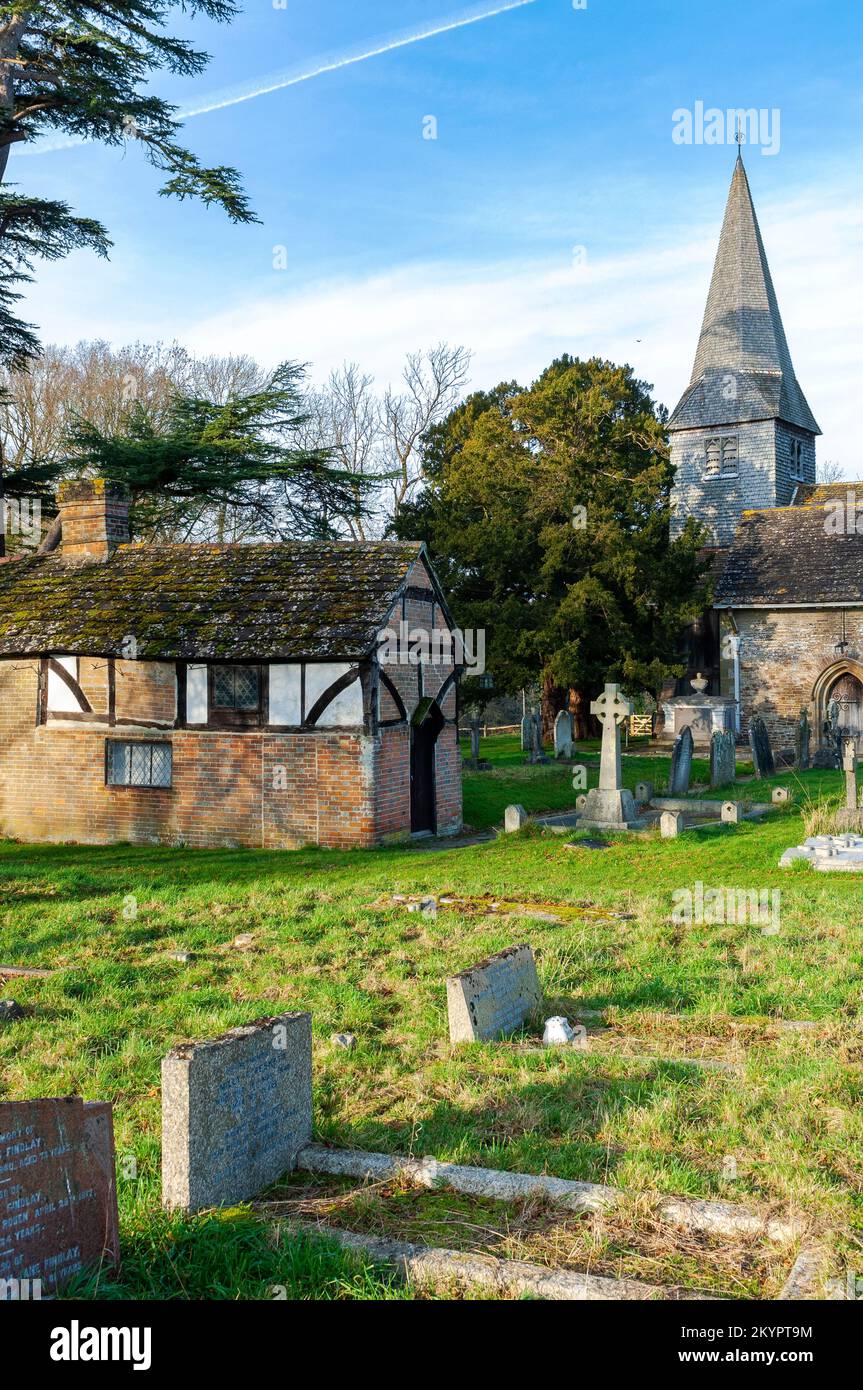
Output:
x,y
731,812
610,806
514,817
670,824
681,763
58,1191
236,1110
802,739
493,998
762,753
723,758
563,735
849,767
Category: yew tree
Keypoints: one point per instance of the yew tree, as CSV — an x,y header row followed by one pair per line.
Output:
x,y
547,513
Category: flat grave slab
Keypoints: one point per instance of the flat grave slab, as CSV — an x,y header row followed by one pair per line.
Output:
x,y
58,1191
828,854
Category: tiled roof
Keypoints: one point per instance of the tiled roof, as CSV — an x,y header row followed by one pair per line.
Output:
x,y
816,494
743,369
787,556
238,602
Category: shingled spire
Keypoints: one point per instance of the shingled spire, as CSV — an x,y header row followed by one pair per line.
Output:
x,y
743,369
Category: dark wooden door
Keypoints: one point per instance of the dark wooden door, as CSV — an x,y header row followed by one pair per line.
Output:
x,y
423,739
848,695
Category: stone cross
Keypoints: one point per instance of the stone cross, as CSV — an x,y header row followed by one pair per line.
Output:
x,y
610,708
849,767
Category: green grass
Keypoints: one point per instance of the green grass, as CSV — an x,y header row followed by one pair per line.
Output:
x,y
328,939
549,788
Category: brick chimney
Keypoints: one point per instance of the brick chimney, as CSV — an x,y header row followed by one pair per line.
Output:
x,y
94,516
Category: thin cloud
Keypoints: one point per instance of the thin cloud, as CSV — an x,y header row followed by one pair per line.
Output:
x,y
291,77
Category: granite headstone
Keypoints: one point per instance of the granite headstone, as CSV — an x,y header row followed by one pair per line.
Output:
x,y
236,1110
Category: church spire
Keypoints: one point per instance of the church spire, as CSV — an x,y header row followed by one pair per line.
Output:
x,y
743,369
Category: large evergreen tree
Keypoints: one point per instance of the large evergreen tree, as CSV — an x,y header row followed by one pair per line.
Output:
x,y
243,452
547,513
83,68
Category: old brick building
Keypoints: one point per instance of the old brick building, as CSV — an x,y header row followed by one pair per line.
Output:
x,y
223,694
786,628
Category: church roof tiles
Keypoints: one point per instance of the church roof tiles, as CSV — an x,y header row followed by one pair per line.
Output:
x,y
743,369
800,556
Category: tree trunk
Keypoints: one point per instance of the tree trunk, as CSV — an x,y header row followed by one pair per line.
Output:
x,y
554,699
584,724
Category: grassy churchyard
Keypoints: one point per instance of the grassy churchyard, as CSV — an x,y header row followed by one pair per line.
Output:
x,y
777,1126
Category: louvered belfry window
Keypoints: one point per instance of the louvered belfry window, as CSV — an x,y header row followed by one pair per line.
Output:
x,y
720,456
134,764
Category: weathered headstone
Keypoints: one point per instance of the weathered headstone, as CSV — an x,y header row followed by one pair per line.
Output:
x,y
236,1110
670,825
731,812
762,753
514,817
644,792
681,763
537,755
610,806
849,767
527,733
780,795
723,758
563,734
493,998
802,738
58,1192
474,740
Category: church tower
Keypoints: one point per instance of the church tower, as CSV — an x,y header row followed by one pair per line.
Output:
x,y
742,434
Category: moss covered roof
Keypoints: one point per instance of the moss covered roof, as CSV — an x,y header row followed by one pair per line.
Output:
x,y
240,602
785,557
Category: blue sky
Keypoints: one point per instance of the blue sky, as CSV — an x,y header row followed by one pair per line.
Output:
x,y
554,132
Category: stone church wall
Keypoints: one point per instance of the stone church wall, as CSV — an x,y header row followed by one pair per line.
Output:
x,y
782,654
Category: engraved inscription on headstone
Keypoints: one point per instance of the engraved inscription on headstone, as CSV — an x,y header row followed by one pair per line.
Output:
x,y
236,1110
58,1193
493,998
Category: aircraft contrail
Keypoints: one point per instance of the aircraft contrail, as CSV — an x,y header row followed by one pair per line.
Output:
x,y
290,77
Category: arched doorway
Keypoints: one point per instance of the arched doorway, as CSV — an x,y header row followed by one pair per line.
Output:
x,y
838,697
426,725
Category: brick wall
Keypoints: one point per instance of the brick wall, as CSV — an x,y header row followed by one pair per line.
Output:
x,y
276,790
